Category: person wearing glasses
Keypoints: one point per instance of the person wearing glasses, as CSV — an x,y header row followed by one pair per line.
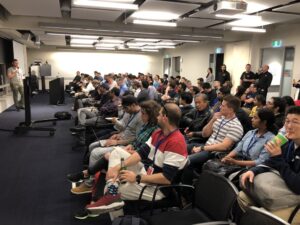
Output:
x,y
166,154
284,159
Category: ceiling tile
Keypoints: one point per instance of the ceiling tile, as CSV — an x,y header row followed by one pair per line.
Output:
x,y
42,8
95,14
293,8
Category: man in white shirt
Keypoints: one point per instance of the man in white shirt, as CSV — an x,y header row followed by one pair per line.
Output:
x,y
15,75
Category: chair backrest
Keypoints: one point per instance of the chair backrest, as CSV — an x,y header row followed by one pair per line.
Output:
x,y
215,195
258,216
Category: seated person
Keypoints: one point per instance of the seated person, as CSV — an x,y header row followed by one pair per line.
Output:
x,y
223,130
259,103
250,150
223,91
249,97
197,118
284,159
127,133
211,93
166,152
185,106
149,112
277,105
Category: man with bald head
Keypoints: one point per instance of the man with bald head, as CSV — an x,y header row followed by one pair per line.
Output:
x,y
165,153
264,81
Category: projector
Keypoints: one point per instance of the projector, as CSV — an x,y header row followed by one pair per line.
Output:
x,y
228,7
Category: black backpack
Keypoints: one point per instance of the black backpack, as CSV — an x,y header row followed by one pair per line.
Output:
x,y
63,115
129,220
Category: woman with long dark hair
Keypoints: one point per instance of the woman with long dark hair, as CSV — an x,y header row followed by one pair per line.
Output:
x,y
209,77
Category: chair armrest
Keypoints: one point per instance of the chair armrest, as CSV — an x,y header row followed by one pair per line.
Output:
x,y
293,214
160,187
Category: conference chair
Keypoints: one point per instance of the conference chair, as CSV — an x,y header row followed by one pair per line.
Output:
x,y
214,198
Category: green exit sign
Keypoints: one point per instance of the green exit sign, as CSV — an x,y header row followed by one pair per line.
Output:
x,y
277,44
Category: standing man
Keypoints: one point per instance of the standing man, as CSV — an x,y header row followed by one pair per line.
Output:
x,y
264,81
15,75
247,77
223,75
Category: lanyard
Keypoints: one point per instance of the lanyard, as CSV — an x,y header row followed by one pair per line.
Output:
x,y
130,119
222,125
159,142
252,142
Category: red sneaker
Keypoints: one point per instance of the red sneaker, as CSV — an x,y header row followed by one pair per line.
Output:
x,y
106,203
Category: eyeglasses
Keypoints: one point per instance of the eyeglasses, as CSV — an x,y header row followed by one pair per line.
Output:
x,y
291,122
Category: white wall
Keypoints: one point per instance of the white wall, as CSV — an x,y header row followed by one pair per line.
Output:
x,y
289,34
236,56
194,58
66,63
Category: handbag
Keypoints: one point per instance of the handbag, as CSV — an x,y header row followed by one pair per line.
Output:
x,y
216,166
270,191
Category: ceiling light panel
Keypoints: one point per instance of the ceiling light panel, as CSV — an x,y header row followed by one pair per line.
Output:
x,y
104,5
81,46
249,29
112,41
146,39
155,23
82,41
162,10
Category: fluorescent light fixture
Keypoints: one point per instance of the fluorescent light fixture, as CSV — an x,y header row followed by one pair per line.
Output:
x,y
84,36
155,15
139,43
104,4
150,50
155,23
106,45
82,41
165,43
165,46
104,48
81,46
240,16
146,40
134,47
113,41
201,36
249,29
57,34
135,32
187,41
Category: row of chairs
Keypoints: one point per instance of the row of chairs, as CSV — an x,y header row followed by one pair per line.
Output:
x,y
215,199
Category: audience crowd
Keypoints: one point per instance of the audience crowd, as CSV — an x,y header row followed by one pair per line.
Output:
x,y
147,129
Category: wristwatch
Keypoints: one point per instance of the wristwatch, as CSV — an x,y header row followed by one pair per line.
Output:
x,y
202,148
138,178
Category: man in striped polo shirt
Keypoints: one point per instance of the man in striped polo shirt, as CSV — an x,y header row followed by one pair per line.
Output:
x,y
223,130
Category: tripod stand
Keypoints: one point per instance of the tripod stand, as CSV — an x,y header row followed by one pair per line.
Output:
x,y
28,124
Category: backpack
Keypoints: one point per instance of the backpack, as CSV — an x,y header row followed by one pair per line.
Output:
x,y
129,220
63,115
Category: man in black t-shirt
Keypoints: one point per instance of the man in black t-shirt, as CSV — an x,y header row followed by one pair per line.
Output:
x,y
264,80
223,75
247,77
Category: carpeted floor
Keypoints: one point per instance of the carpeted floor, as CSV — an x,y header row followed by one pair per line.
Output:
x,y
33,168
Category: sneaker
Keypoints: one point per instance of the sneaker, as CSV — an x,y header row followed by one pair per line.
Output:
x,y
85,214
81,189
75,177
106,203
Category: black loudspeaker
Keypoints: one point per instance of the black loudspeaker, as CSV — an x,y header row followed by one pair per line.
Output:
x,y
56,91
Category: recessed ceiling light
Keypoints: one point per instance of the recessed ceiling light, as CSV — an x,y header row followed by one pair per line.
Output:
x,y
104,4
146,40
105,48
84,36
155,23
249,29
150,50
114,41
155,15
